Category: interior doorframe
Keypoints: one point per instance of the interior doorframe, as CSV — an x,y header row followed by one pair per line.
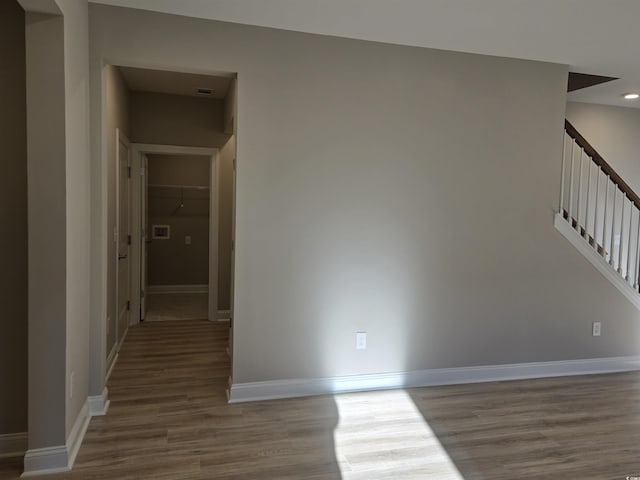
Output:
x,y
137,152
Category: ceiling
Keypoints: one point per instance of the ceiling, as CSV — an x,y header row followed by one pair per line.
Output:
x,y
160,81
591,36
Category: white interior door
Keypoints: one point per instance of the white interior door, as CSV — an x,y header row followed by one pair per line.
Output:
x,y
145,236
124,234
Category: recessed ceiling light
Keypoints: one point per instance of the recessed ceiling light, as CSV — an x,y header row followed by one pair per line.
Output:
x,y
631,96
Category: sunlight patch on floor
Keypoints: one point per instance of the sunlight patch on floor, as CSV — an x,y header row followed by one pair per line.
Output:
x,y
383,435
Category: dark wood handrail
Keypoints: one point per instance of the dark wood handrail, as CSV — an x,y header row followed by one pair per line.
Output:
x,y
604,166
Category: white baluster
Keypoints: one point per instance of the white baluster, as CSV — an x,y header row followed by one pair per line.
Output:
x,y
573,144
621,235
604,223
586,203
637,272
564,149
628,277
578,223
595,214
613,226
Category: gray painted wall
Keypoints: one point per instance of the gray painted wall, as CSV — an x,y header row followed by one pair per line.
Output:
x,y
401,191
47,230
76,50
189,170
58,220
177,120
613,132
186,211
13,217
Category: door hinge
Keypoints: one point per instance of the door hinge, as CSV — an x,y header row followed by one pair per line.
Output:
x,y
234,164
141,293
129,239
128,304
233,245
129,172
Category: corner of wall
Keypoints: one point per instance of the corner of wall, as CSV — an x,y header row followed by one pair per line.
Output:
x,y
59,458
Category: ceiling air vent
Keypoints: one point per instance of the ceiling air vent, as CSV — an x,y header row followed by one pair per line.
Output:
x,y
204,91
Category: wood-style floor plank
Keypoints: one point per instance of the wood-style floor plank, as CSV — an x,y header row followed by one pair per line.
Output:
x,y
169,419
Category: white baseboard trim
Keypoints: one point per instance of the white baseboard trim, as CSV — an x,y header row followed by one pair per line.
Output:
x,y
111,365
253,391
596,260
99,404
77,432
111,359
224,315
121,342
13,444
41,461
155,289
113,356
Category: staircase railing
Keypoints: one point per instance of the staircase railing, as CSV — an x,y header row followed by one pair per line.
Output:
x,y
600,206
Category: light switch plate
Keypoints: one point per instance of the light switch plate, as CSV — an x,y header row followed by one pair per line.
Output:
x,y
361,340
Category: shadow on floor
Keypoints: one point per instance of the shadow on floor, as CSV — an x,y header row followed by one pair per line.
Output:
x,y
10,468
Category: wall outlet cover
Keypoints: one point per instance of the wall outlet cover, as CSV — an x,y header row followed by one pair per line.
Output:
x,y
596,329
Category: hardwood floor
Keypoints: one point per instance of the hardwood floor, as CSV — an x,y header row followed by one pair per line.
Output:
x,y
169,419
176,306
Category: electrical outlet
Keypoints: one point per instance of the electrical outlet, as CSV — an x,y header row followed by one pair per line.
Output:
x,y
187,240
361,340
595,329
72,382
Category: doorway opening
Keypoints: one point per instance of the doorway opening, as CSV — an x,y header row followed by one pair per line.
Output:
x,y
175,244
170,154
176,251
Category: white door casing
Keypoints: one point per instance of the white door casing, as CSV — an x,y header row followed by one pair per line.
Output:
x,y
144,232
138,277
